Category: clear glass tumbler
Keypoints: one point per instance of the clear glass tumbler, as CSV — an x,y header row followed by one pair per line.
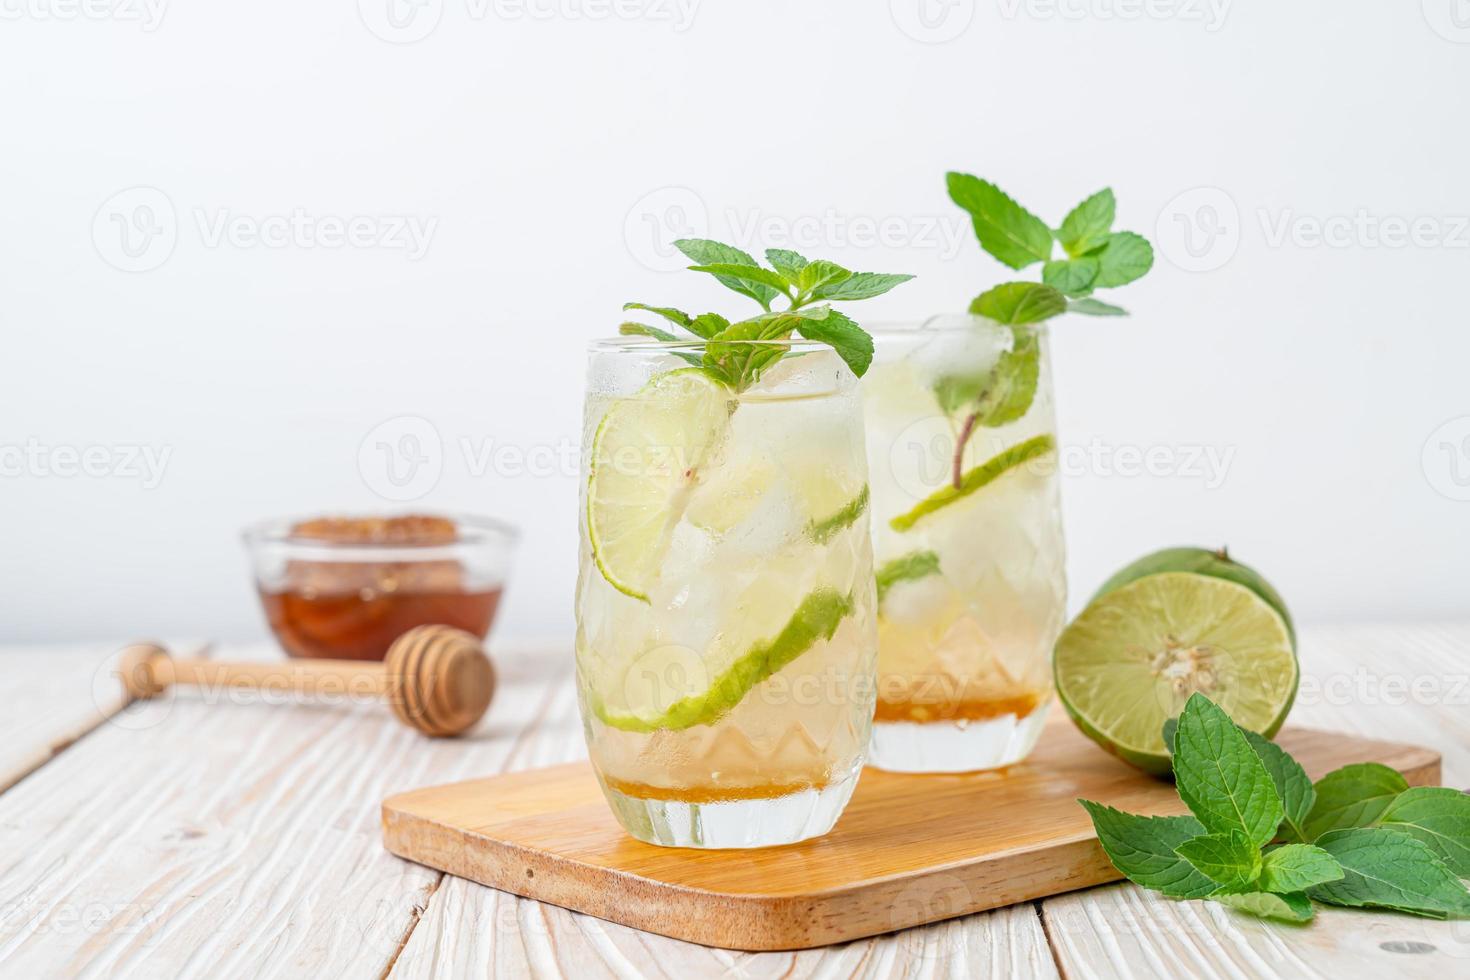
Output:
x,y
968,542
726,639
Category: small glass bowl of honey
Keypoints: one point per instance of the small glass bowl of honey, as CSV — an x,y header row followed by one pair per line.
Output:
x,y
346,587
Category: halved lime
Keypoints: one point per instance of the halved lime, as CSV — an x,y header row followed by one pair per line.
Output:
x,y
1136,653
1216,564
645,462
671,688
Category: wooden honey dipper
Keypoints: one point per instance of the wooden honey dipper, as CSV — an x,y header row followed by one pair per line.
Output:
x,y
437,678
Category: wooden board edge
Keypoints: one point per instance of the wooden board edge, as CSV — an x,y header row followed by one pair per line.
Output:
x,y
751,923
756,923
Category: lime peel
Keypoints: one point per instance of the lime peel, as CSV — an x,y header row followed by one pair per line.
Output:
x,y
906,568
816,618
682,415
821,531
987,472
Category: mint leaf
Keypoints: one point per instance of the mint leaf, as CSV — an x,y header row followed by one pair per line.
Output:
x,y
1088,224
953,391
906,568
1019,302
748,276
1142,848
860,285
1001,394
1291,782
1297,867
786,262
731,357
1012,386
1439,817
676,317
706,252
707,325
851,341
818,312
1220,777
1124,258
1071,276
1386,869
1094,307
1290,907
631,329
1353,796
1227,859
815,275
1006,230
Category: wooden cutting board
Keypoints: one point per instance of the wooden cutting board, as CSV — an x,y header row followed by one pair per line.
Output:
x,y
908,850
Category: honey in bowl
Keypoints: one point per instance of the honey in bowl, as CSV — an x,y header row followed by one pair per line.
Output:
x,y
347,587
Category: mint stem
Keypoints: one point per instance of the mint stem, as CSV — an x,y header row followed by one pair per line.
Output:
x,y
959,449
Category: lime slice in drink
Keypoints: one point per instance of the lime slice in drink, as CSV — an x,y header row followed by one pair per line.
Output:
x,y
1134,656
728,498
646,460
673,688
982,475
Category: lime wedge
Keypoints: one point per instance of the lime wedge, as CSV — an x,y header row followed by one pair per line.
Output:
x,y
906,568
821,531
648,705
987,472
1135,655
645,462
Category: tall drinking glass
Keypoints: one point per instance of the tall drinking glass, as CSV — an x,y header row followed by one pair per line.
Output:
x,y
967,541
726,638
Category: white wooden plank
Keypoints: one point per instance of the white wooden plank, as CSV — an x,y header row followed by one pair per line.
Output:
x,y
192,839
56,694
473,931
53,696
1392,682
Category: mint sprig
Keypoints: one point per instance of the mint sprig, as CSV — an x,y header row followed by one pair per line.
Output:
x,y
808,286
1358,837
1092,257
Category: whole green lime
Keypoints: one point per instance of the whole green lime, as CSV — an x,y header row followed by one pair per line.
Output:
x,y
1173,623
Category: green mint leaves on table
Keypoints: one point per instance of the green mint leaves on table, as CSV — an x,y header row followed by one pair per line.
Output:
x,y
809,287
1267,841
1092,257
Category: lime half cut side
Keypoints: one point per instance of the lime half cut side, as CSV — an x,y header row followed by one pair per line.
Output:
x,y
1135,655
647,457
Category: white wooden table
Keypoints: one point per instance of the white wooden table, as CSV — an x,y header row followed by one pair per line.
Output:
x,y
194,839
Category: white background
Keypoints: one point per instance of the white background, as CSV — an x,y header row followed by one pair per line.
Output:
x,y
552,149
